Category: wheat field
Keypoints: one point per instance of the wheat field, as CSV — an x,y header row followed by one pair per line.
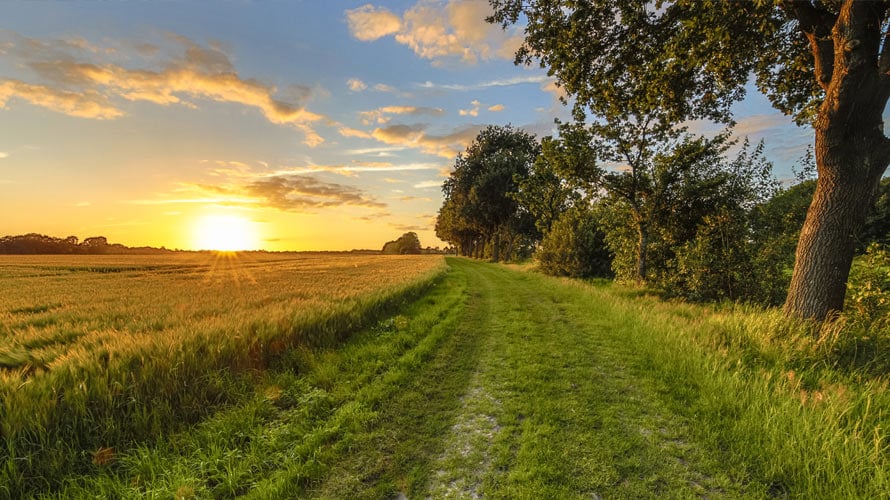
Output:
x,y
100,351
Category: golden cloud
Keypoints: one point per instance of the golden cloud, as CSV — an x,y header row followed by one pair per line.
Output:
x,y
415,136
285,190
381,115
83,89
368,23
298,193
434,30
88,104
474,111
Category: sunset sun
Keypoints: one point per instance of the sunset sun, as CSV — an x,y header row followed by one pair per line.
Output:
x,y
225,233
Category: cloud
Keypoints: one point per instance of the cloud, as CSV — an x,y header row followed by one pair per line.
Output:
x,y
299,193
377,151
474,111
382,87
87,104
504,82
291,190
356,85
381,115
369,23
352,132
760,124
428,184
497,108
415,136
3,155
436,30
408,135
374,216
409,227
83,88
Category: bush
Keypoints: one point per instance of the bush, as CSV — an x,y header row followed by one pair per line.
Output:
x,y
575,246
868,289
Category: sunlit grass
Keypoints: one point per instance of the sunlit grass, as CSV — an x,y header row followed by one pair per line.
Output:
x,y
97,353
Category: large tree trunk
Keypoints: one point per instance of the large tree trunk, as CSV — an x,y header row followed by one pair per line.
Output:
x,y
852,154
844,193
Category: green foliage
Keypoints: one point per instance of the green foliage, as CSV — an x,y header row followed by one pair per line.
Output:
x,y
407,243
877,225
545,194
868,289
480,215
682,59
575,246
716,264
690,208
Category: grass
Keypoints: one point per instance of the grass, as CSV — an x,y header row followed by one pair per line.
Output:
x,y
499,382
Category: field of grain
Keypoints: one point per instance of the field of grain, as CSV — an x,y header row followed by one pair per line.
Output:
x,y
100,351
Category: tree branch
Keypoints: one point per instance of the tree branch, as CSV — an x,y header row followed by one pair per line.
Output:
x,y
816,24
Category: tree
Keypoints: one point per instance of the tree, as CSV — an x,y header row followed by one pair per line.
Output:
x,y
561,176
480,212
827,62
407,243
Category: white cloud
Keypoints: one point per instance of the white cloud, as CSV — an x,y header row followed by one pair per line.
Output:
x,y
506,82
356,85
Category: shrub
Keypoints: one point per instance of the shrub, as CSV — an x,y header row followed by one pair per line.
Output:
x,y
868,289
575,246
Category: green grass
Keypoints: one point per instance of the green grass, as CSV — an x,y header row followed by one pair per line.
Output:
x,y
503,383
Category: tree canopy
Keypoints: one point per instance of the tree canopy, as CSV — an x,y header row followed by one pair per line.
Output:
x,y
407,243
653,65
480,214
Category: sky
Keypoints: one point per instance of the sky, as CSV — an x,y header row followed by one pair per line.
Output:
x,y
281,125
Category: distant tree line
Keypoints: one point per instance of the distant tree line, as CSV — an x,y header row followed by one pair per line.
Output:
x,y
665,208
408,243
32,243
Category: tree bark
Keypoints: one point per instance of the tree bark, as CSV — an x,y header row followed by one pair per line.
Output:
x,y
642,251
852,154
825,248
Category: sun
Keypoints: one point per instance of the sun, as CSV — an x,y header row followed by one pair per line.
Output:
x,y
226,233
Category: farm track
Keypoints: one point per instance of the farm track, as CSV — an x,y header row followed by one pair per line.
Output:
x,y
547,409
